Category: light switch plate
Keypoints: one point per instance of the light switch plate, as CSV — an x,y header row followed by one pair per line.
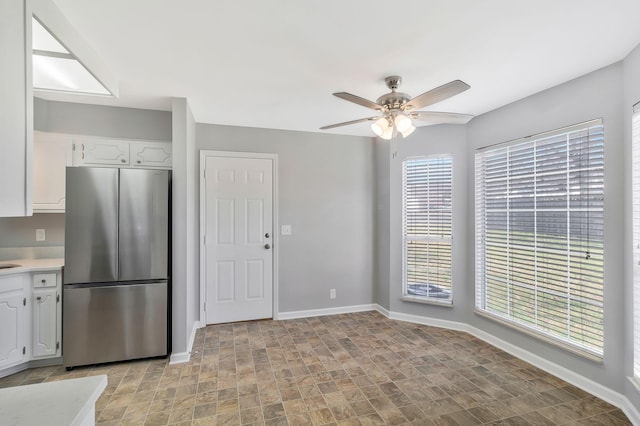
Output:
x,y
286,229
40,235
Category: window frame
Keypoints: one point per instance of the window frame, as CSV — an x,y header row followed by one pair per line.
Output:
x,y
480,261
406,238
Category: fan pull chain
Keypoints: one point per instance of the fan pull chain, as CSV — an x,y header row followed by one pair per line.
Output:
x,y
394,145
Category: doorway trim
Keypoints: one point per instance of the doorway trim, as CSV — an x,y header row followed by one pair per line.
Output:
x,y
276,234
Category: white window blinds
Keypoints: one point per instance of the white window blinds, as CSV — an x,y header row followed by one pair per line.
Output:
x,y
539,234
635,173
426,221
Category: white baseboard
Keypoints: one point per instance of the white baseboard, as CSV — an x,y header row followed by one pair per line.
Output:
x,y
13,369
180,357
588,385
325,311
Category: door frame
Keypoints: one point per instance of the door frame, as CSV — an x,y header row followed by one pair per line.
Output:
x,y
203,283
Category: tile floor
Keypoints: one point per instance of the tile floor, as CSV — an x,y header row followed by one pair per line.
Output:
x,y
352,369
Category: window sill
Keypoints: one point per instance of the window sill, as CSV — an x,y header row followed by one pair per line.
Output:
x,y
585,353
425,301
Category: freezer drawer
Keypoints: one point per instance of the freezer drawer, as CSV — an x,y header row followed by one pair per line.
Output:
x,y
114,323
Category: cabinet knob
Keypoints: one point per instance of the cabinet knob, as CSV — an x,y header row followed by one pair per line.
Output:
x,y
38,298
123,160
43,281
138,161
267,246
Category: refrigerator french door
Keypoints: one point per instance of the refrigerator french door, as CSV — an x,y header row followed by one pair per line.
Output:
x,y
117,257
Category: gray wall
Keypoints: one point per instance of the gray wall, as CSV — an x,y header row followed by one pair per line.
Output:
x,y
21,231
382,228
99,120
326,188
185,280
630,97
594,95
442,139
608,93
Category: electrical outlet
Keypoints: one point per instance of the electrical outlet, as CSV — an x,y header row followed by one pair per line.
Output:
x,y
286,229
332,293
40,235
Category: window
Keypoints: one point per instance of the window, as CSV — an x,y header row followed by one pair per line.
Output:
x,y
539,235
635,171
426,223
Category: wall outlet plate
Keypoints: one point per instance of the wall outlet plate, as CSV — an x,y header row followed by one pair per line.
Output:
x,y
286,230
332,293
40,235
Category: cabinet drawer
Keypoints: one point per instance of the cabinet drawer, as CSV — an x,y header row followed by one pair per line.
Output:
x,y
12,282
44,280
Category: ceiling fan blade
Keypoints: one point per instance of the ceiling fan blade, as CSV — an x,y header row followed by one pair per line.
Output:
x,y
436,95
346,123
358,100
433,117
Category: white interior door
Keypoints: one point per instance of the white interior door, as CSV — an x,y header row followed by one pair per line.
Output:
x,y
238,243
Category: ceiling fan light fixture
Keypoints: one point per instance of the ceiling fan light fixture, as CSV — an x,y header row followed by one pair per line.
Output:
x,y
402,123
388,133
408,131
380,126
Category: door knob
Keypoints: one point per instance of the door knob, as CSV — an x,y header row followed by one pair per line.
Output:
x,y
267,235
267,246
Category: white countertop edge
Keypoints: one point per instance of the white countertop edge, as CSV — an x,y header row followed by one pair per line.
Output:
x,y
101,385
32,265
59,402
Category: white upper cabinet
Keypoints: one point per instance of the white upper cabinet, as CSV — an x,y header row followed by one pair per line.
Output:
x,y
16,108
52,153
102,152
150,154
122,153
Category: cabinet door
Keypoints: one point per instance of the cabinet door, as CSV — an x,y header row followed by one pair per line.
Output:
x,y
12,321
103,153
150,154
16,108
51,156
45,337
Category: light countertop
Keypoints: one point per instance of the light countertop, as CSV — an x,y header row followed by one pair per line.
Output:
x,y
32,265
64,402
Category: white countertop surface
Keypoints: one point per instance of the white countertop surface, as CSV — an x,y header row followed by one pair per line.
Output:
x,y
32,265
65,402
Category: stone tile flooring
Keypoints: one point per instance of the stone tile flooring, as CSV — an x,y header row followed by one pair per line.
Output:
x,y
352,369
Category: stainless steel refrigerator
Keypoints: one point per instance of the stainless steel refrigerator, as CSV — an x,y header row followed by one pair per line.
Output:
x,y
117,265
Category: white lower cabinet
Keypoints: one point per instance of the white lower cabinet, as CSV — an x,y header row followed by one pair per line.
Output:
x,y
30,319
45,323
13,317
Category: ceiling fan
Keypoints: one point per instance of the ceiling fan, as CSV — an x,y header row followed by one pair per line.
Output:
x,y
398,109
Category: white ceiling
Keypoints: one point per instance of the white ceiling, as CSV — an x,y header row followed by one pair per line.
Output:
x,y
274,64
